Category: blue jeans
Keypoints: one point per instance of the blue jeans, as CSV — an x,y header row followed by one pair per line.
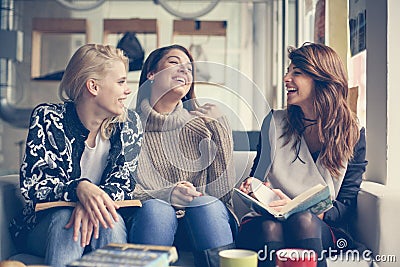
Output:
x,y
207,224
50,239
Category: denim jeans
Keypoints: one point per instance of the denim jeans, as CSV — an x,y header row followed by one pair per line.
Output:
x,y
207,224
50,239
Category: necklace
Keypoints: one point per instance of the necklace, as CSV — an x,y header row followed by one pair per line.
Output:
x,y
311,123
310,120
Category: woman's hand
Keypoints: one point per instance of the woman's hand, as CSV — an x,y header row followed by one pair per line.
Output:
x,y
207,112
278,204
184,193
245,186
81,222
98,204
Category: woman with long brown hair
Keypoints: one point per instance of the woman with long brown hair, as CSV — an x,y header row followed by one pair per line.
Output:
x,y
185,173
315,140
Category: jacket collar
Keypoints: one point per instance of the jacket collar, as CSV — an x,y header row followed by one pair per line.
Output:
x,y
73,123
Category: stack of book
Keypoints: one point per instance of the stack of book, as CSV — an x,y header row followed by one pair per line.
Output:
x,y
132,255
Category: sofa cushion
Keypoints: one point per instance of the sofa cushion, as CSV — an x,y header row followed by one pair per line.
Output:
x,y
11,204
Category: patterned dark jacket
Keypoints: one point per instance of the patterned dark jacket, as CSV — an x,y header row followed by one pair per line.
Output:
x,y
51,165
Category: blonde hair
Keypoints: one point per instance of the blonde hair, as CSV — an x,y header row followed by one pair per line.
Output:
x,y
338,128
91,61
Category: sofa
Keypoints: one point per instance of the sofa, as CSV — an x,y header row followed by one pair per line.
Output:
x,y
375,225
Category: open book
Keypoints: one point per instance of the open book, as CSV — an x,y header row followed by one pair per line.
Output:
x,y
317,199
54,204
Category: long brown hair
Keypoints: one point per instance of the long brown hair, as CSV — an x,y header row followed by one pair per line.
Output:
x,y
90,61
338,129
151,65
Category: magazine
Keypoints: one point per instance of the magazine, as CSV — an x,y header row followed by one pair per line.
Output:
x,y
132,255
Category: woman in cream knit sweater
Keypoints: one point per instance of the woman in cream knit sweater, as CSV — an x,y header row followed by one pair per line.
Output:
x,y
185,173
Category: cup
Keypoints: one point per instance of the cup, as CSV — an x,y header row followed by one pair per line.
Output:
x,y
293,257
237,258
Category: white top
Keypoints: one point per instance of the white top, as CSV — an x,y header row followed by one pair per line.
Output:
x,y
94,159
285,171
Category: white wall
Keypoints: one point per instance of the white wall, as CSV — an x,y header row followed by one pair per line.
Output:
x,y
376,91
27,93
239,56
383,66
393,147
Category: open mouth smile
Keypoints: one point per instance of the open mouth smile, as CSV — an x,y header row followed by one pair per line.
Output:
x,y
291,90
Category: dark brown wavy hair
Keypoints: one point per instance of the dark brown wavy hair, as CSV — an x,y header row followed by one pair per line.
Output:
x,y
151,65
338,129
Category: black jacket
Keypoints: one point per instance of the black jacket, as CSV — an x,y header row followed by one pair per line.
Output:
x,y
51,165
344,206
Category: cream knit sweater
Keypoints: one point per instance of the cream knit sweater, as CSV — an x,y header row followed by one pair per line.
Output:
x,y
182,147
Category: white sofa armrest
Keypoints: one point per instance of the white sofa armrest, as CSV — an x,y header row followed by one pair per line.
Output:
x,y
243,161
378,220
10,205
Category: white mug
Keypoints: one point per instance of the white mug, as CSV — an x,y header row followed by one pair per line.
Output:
x,y
237,258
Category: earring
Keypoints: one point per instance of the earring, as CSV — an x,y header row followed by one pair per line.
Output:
x,y
151,81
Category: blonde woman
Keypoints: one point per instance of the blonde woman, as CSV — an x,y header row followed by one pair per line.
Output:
x,y
84,150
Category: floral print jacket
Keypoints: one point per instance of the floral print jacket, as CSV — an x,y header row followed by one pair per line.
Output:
x,y
51,171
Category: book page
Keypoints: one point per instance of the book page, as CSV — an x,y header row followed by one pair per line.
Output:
x,y
263,193
252,202
302,197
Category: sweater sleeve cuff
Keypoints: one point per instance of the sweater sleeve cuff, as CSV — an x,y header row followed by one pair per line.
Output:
x,y
163,194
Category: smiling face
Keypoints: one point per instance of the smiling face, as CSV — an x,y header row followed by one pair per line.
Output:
x,y
112,90
300,88
173,77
